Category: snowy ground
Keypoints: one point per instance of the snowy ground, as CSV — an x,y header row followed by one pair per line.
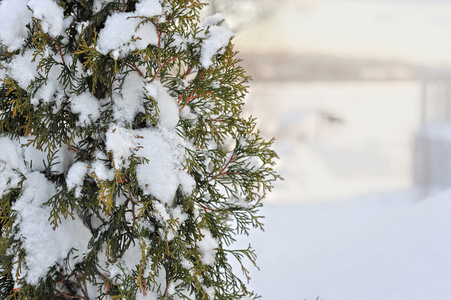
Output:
x,y
373,248
380,241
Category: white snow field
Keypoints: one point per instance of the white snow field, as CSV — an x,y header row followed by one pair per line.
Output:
x,y
384,247
380,241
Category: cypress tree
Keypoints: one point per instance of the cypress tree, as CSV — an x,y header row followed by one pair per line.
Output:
x,y
126,168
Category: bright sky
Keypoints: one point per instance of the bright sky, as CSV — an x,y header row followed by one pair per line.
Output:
x,y
418,31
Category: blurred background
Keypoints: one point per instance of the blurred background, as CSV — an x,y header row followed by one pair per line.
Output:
x,y
357,94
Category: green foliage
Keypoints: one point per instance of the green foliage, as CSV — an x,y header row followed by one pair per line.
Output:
x,y
229,162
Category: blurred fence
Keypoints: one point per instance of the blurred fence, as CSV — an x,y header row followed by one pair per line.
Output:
x,y
432,150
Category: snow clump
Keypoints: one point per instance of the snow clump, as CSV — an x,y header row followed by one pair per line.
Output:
x,y
125,31
167,106
76,176
217,38
50,14
87,106
23,69
149,8
163,173
130,101
120,142
15,16
207,247
11,162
